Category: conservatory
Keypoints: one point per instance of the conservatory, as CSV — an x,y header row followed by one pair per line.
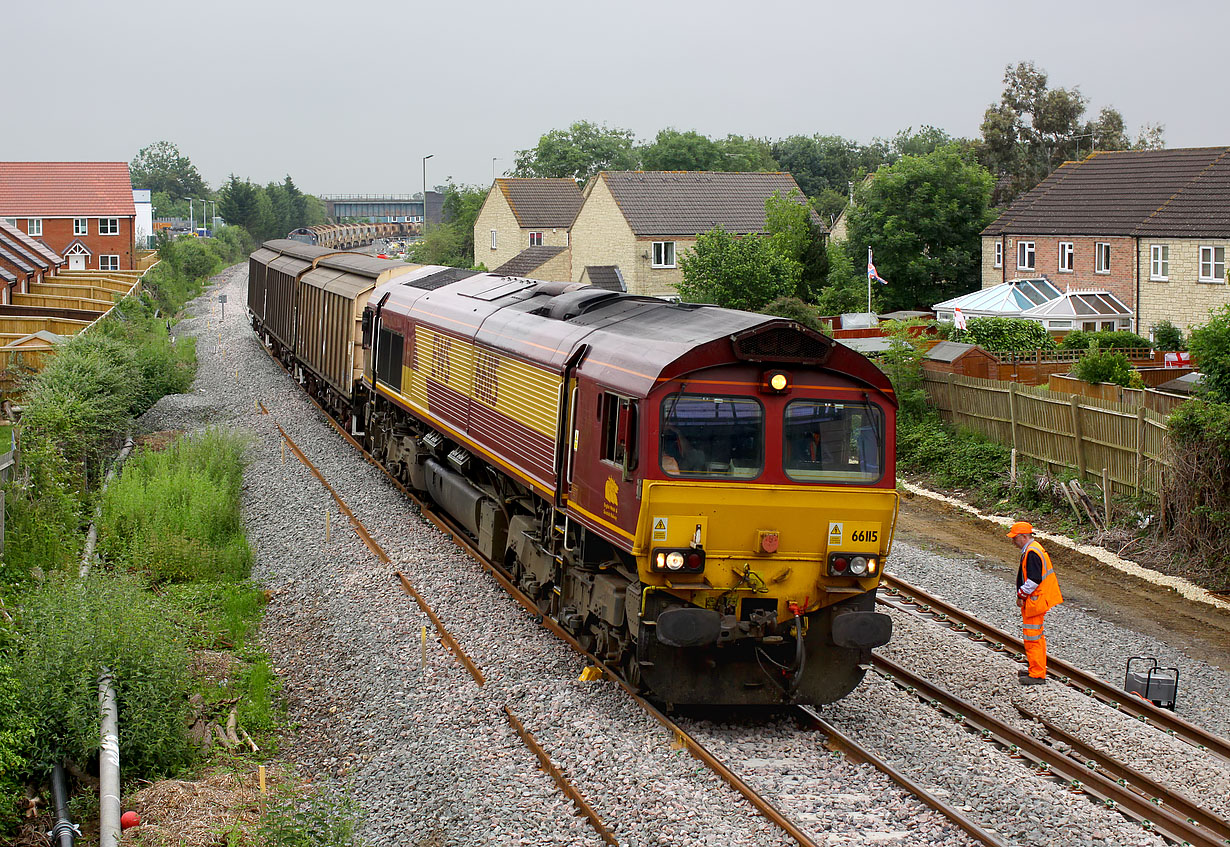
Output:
x,y
1091,310
1006,300
1039,300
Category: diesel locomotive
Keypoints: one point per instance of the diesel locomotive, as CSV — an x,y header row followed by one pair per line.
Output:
x,y
703,497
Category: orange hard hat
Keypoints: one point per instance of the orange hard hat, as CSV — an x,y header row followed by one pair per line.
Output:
x,y
1021,528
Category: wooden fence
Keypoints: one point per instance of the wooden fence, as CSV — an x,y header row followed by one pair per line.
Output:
x,y
1162,402
1083,434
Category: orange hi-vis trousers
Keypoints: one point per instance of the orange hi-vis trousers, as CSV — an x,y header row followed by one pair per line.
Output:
x,y
1035,644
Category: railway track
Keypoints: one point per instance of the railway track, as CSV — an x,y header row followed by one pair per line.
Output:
x,y
1096,775
835,740
1156,807
911,599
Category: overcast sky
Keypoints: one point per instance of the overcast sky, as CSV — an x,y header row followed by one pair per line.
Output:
x,y
349,96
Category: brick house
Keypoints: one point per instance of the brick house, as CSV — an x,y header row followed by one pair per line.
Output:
x,y
636,224
82,210
520,219
1150,226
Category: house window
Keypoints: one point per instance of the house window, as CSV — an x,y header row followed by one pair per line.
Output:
x,y
493,239
1025,255
1101,263
108,263
535,239
81,226
108,226
1066,254
1159,262
999,254
664,254
1212,264
34,226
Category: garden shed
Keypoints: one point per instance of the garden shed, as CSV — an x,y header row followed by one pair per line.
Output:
x,y
966,359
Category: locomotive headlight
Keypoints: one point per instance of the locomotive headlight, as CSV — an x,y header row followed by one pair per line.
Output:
x,y
674,560
871,566
858,565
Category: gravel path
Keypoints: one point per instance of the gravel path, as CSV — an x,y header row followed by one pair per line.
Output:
x,y
430,755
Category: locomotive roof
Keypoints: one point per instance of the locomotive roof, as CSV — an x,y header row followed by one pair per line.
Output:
x,y
630,342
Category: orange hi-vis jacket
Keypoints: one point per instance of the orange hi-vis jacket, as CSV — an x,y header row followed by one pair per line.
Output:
x,y
1047,593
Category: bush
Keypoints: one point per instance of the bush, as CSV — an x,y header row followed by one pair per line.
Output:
x,y
326,817
70,629
1198,490
955,458
1106,366
16,734
1210,347
1167,336
174,515
1005,335
1105,339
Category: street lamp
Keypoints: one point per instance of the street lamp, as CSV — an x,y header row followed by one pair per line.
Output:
x,y
202,201
191,219
425,158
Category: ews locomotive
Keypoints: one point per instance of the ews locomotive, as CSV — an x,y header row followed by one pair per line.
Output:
x,y
703,496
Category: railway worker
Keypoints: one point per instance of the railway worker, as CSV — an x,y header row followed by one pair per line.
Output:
x,y
1037,590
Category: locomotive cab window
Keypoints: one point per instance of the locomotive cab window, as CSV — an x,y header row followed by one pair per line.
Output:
x,y
711,437
619,430
389,346
830,441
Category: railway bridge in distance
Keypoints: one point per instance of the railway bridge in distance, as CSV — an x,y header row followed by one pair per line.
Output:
x,y
383,207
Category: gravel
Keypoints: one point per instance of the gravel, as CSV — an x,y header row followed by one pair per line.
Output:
x,y
432,759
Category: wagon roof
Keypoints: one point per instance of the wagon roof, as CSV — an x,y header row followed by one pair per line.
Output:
x,y
340,282
290,247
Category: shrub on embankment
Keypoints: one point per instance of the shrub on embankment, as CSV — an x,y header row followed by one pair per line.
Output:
x,y
174,515
69,629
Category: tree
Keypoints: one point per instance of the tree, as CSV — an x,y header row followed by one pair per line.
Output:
x,y
161,167
578,152
845,289
1035,128
818,162
923,216
747,154
796,237
249,206
673,150
738,273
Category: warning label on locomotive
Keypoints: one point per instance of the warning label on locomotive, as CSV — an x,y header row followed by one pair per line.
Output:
x,y
854,535
659,528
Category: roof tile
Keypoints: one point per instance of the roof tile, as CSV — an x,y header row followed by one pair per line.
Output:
x,y
33,189
689,203
528,260
542,202
1135,192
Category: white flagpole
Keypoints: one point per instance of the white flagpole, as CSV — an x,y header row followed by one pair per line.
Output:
x,y
869,278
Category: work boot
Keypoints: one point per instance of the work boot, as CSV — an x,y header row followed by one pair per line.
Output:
x,y
1033,680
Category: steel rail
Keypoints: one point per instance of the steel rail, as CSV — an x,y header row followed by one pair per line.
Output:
x,y
839,741
1122,773
940,611
1079,778
560,780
